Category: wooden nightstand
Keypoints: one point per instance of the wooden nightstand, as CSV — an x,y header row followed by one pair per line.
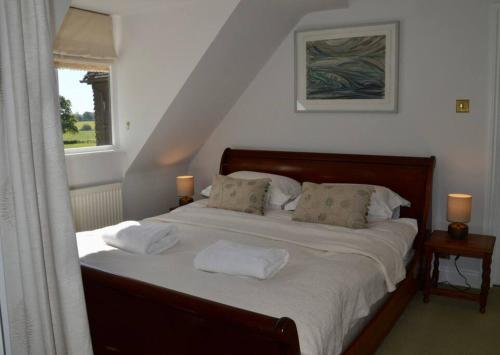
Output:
x,y
475,246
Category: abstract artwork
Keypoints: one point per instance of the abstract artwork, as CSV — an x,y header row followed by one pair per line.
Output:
x,y
347,69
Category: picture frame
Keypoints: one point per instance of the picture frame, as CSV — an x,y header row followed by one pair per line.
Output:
x,y
350,69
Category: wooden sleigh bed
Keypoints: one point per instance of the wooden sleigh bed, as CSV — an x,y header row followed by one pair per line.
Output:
x,y
128,316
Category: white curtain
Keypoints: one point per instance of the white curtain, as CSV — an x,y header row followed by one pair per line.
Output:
x,y
44,296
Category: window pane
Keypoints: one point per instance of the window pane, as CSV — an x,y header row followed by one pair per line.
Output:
x,y
85,109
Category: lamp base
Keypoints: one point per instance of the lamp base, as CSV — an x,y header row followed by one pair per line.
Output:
x,y
184,200
458,231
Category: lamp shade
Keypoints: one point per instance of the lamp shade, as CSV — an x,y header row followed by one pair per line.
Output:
x,y
459,208
185,186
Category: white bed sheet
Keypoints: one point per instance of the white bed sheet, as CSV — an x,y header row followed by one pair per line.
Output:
x,y
324,292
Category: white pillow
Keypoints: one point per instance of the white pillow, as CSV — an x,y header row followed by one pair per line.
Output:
x,y
384,204
206,191
281,190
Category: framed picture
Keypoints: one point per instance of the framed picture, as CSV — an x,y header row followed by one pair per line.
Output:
x,y
347,69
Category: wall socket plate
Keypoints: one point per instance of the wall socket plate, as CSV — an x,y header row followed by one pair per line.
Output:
x,y
463,105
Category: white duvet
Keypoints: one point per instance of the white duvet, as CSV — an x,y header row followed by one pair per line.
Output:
x,y
333,277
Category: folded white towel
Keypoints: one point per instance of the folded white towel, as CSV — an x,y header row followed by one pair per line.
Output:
x,y
242,260
141,238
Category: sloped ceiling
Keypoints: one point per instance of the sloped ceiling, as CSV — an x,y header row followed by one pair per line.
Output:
x,y
241,48
122,7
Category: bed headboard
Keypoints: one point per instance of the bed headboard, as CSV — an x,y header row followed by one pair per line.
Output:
x,y
411,177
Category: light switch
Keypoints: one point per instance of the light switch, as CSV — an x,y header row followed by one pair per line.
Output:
x,y
463,106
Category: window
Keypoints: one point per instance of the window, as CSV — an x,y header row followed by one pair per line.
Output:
x,y
83,54
85,108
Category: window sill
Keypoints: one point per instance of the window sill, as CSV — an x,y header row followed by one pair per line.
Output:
x,y
91,150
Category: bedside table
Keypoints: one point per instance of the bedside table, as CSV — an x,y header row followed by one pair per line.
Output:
x,y
475,246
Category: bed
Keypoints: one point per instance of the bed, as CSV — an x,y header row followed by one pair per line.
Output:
x,y
132,312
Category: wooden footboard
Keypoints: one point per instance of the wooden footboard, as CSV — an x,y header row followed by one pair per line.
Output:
x,y
127,316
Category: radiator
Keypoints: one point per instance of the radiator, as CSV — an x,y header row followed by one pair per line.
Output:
x,y
97,207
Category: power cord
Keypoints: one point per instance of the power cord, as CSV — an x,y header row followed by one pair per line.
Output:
x,y
467,284
462,275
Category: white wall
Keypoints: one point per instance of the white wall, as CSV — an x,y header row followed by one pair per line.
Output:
x,y
443,56
96,168
231,61
59,9
153,192
157,50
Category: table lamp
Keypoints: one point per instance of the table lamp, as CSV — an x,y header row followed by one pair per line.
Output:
x,y
459,210
185,189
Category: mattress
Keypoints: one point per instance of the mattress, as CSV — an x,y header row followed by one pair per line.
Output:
x,y
333,279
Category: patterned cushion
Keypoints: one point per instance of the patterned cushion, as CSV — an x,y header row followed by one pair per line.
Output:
x,y
339,205
239,194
